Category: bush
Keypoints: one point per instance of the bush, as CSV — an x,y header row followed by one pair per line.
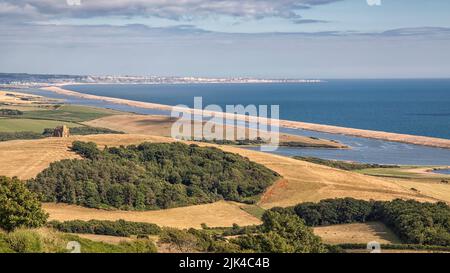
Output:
x,y
86,149
118,228
183,241
139,246
84,130
18,206
193,240
7,136
88,246
282,233
10,112
151,176
24,241
343,165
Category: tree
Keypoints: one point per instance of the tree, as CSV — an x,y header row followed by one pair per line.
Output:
x,y
18,206
282,233
86,149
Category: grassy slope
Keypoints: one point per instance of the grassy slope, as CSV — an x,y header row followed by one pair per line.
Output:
x,y
70,113
45,240
415,178
37,119
30,125
418,179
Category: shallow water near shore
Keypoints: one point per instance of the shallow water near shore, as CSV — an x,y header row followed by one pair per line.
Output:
x,y
362,149
443,171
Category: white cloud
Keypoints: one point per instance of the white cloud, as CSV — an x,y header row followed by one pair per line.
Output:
x,y
176,10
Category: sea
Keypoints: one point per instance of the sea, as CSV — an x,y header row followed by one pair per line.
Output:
x,y
417,107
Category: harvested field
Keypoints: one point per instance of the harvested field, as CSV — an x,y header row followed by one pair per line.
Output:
x,y
308,182
219,214
161,126
105,238
358,233
25,159
302,181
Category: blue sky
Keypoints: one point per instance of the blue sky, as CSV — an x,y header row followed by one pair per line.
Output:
x,y
254,38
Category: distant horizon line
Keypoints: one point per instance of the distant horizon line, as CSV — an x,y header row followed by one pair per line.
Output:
x,y
224,77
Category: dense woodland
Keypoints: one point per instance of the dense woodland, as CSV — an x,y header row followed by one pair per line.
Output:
x,y
412,221
151,176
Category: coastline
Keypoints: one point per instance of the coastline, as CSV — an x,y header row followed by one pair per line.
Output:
x,y
379,135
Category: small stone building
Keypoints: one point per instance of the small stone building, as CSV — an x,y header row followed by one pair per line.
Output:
x,y
61,131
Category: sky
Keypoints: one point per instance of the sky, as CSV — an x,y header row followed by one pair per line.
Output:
x,y
227,38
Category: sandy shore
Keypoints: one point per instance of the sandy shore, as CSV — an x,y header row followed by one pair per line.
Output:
x,y
403,138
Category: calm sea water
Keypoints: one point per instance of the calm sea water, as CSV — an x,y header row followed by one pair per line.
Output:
x,y
362,149
445,171
418,107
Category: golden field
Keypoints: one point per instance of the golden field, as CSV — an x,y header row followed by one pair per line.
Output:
x,y
218,214
358,233
301,182
161,126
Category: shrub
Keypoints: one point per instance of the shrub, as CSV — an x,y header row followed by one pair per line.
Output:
x,y
139,246
86,149
343,165
117,228
84,130
10,112
24,241
7,136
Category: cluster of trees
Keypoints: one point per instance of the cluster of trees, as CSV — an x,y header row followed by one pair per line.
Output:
x,y
279,233
6,136
414,222
84,130
10,112
238,142
343,165
334,211
113,228
18,206
151,176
